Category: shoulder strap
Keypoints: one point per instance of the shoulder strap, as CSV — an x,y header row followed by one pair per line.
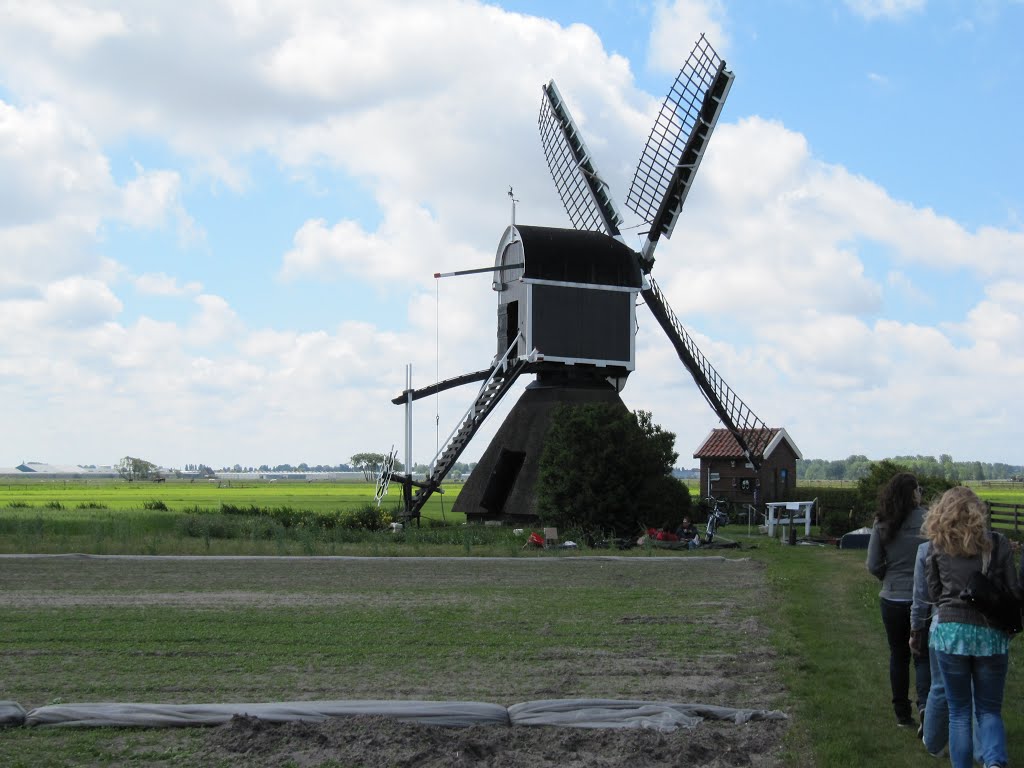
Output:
x,y
988,557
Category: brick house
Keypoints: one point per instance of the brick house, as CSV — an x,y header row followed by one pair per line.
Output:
x,y
726,474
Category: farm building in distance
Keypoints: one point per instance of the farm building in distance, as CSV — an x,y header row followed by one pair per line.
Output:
x,y
726,474
42,471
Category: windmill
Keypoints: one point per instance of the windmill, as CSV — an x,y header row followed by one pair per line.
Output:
x,y
567,298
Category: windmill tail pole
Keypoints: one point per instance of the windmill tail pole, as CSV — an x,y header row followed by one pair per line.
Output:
x,y
477,271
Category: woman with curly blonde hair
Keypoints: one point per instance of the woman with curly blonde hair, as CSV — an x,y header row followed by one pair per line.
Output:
x,y
972,654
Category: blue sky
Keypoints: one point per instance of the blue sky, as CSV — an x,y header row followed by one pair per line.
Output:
x,y
219,223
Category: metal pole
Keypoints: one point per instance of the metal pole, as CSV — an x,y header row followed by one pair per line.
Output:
x,y
408,436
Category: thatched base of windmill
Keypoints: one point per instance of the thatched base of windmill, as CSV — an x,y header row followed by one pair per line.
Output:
x,y
503,483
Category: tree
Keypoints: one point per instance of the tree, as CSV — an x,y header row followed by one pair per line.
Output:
x,y
131,468
604,469
880,473
368,463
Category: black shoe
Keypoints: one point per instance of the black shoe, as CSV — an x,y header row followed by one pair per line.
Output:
x,y
906,721
920,726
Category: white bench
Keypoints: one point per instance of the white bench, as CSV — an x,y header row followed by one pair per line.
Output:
x,y
780,512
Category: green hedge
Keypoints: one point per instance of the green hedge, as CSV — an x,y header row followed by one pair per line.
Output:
x,y
837,509
236,519
845,509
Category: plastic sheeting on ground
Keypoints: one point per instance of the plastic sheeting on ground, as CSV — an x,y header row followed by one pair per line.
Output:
x,y
616,713
11,713
575,713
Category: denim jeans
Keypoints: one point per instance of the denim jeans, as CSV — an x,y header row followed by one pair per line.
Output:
x,y
936,716
988,676
896,620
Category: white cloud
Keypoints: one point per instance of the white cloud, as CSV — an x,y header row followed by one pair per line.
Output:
x,y
72,303
49,165
160,284
57,192
408,245
677,25
885,9
153,197
215,322
79,302
65,27
997,322
905,286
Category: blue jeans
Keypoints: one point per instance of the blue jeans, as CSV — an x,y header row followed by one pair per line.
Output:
x,y
987,674
936,716
896,620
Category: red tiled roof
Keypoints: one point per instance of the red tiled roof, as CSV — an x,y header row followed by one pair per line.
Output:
x,y
721,444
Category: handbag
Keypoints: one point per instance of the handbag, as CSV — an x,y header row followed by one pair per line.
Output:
x,y
998,604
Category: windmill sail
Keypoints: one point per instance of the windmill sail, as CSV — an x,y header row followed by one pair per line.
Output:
x,y
750,432
660,185
676,145
584,193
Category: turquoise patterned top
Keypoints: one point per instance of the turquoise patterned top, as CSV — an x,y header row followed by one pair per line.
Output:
x,y
968,639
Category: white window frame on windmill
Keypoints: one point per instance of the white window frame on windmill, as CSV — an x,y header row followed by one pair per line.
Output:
x,y
622,316
567,320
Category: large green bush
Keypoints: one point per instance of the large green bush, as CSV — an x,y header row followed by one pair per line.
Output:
x,y
836,509
663,501
606,470
845,509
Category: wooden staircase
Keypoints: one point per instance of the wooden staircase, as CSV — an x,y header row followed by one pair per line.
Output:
x,y
502,376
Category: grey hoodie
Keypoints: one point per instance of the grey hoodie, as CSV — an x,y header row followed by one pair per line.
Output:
x,y
893,563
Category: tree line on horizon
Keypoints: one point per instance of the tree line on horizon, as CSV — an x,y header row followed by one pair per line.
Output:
x,y
367,463
857,467
852,468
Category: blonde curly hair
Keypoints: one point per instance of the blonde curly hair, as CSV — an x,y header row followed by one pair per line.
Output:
x,y
957,523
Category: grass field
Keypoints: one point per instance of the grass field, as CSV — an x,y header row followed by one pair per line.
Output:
x,y
795,628
179,518
176,495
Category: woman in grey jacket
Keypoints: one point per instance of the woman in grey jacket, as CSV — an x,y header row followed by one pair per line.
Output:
x,y
972,654
892,549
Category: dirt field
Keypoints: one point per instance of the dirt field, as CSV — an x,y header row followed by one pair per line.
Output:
x,y
375,741
719,605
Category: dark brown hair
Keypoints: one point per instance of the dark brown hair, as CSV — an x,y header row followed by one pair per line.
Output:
x,y
895,502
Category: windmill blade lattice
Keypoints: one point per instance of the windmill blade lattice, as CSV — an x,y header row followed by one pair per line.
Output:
x,y
676,144
581,188
750,432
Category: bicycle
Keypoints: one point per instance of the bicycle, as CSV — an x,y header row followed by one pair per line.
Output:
x,y
717,517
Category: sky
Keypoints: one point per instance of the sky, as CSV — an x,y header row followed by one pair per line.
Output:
x,y
220,221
